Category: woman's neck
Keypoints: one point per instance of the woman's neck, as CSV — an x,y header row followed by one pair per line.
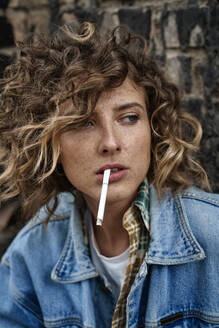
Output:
x,y
112,238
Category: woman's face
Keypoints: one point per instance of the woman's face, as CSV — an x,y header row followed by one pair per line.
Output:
x,y
117,136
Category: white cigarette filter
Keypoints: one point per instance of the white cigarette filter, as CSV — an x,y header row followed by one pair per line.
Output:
x,y
103,195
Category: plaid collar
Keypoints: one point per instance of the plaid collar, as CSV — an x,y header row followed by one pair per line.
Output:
x,y
142,202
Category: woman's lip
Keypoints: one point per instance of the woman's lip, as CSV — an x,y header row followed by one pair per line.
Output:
x,y
114,176
110,166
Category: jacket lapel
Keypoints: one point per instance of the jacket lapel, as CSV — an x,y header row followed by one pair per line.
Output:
x,y
74,264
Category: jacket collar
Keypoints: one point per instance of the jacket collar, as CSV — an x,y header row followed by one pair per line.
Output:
x,y
171,240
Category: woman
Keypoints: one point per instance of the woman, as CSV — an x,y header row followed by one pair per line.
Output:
x,y
71,108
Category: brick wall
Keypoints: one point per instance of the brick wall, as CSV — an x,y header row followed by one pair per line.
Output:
x,y
182,34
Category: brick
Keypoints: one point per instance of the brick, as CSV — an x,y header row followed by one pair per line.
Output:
x,y
6,38
4,4
19,21
198,73
4,61
179,70
197,37
156,46
91,15
187,20
194,106
171,32
53,3
173,68
137,20
69,17
110,20
185,76
212,34
84,4
39,21
27,3
67,2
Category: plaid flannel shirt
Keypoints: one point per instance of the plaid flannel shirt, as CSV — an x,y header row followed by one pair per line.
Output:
x,y
136,222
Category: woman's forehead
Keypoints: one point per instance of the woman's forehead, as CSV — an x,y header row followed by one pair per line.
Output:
x,y
128,91
119,97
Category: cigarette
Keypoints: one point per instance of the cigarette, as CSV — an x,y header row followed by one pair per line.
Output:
x,y
103,195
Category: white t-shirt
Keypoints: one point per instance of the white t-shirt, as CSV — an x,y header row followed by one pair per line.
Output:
x,y
113,268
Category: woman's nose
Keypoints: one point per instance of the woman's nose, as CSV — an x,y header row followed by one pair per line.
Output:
x,y
110,142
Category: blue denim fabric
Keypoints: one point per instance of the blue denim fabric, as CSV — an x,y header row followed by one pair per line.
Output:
x,y
48,280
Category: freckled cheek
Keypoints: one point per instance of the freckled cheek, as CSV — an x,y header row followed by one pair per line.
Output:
x,y
69,147
76,159
143,143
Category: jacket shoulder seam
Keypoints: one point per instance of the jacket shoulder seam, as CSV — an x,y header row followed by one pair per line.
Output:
x,y
41,221
195,196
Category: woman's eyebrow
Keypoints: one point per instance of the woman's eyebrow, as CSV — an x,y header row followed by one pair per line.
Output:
x,y
130,105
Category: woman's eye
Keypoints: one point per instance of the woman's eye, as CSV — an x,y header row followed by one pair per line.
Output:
x,y
131,118
89,124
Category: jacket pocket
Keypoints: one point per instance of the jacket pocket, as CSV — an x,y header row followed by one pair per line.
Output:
x,y
190,319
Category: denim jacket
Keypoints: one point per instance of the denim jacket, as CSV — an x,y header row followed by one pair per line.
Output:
x,y
47,278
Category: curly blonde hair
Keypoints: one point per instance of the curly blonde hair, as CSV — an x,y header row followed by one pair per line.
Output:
x,y
79,67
